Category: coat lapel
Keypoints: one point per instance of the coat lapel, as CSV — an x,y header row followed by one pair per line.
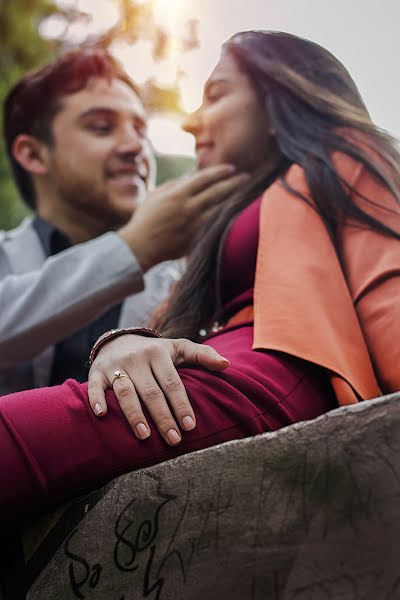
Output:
x,y
302,303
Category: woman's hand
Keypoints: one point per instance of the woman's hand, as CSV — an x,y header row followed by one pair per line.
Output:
x,y
152,380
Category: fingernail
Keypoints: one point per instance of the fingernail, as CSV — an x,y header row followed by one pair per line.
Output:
x,y
231,168
173,437
223,358
98,409
188,423
142,431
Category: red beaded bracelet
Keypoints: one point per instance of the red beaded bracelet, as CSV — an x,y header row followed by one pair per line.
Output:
x,y
114,333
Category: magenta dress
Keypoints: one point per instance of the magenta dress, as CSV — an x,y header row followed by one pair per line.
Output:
x,y
53,447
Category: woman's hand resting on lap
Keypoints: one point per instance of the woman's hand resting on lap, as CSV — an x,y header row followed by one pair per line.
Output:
x,y
152,381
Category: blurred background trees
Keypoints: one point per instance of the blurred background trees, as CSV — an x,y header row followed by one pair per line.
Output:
x,y
21,48
34,31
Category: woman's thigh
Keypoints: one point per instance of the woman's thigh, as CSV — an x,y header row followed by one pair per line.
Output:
x,y
260,391
53,446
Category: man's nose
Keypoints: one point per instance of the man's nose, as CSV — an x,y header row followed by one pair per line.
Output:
x,y
130,141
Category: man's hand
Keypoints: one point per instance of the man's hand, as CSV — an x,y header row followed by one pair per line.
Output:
x,y
163,227
152,380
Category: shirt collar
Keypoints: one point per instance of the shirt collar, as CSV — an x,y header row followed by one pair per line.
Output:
x,y
52,239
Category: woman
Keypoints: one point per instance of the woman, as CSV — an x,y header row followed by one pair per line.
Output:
x,y
294,282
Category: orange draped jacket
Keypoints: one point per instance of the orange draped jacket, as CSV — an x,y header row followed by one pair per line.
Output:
x,y
338,310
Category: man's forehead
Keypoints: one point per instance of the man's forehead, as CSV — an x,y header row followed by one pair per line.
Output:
x,y
112,94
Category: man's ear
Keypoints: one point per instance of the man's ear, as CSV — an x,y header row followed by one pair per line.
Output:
x,y
31,154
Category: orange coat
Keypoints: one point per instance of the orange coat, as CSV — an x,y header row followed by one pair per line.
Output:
x,y
343,315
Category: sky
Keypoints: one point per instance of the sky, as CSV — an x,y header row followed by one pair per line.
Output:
x,y
363,34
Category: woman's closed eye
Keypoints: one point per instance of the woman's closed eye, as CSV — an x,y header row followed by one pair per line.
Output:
x,y
214,92
213,96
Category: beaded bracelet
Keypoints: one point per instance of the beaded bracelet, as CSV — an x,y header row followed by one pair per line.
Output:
x,y
114,333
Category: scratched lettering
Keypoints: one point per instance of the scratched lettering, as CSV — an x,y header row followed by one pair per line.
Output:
x,y
79,570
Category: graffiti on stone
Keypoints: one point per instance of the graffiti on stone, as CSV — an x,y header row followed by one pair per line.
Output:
x,y
81,572
136,540
281,521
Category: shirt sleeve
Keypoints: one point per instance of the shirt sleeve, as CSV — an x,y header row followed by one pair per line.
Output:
x,y
39,308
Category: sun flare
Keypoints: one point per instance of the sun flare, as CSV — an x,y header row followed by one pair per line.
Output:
x,y
168,13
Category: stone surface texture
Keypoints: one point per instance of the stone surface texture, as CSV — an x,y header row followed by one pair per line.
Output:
x,y
311,512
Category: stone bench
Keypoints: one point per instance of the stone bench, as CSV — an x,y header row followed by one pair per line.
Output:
x,y
309,512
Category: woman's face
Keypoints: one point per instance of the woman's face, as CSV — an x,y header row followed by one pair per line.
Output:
x,y
231,125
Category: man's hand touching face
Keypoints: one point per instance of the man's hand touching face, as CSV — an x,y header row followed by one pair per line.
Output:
x,y
164,226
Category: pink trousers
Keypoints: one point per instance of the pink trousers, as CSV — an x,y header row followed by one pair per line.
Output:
x,y
53,447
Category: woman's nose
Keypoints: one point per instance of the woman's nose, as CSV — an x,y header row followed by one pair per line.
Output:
x,y
192,122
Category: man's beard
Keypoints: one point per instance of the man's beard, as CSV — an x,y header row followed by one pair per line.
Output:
x,y
113,213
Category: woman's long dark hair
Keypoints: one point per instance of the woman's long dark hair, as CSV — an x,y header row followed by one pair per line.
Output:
x,y
315,109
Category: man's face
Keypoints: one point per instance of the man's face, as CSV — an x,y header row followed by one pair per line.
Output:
x,y
100,161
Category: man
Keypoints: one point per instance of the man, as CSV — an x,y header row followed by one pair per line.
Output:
x,y
76,137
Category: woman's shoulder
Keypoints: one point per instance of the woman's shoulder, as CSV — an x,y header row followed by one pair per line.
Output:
x,y
361,159
347,166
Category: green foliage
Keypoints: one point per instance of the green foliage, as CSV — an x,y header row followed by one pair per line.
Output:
x,y
170,166
21,49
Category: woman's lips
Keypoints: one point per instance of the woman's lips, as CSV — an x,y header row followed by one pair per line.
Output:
x,y
203,153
